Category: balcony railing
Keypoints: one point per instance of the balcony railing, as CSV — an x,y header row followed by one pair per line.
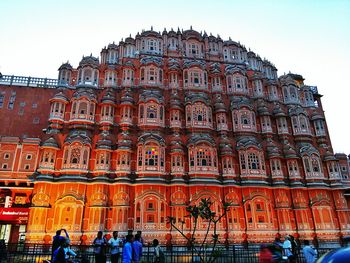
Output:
x,y
28,81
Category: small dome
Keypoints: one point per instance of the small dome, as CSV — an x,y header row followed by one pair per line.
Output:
x,y
129,40
124,141
172,33
60,96
50,143
262,109
108,97
112,46
127,98
66,66
85,92
273,150
278,112
175,102
104,141
289,151
89,61
150,33
219,104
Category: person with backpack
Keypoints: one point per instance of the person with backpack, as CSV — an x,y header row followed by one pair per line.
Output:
x,y
158,254
310,253
137,249
127,249
100,244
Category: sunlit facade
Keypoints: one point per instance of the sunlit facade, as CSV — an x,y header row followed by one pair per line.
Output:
x,y
161,121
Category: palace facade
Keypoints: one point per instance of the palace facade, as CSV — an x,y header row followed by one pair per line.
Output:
x,y
159,122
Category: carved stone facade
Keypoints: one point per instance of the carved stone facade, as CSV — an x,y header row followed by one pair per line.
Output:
x,y
163,120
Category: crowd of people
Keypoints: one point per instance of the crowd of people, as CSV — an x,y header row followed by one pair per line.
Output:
x,y
286,251
128,249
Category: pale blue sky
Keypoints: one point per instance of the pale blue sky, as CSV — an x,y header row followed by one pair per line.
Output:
x,y
311,38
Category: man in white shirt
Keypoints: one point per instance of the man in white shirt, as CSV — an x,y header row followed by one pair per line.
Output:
x,y
115,244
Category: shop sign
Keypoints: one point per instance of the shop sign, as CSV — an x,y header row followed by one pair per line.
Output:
x,y
14,215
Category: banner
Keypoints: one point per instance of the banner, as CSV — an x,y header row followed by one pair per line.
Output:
x,y
14,215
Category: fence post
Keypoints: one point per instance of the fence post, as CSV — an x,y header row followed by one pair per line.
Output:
x,y
234,253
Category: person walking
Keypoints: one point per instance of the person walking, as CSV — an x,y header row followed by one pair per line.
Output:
x,y
137,248
115,244
310,253
158,255
127,249
100,248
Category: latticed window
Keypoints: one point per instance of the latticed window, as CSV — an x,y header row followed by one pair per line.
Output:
x,y
198,115
312,165
253,161
244,120
195,77
152,111
203,157
151,156
242,160
75,155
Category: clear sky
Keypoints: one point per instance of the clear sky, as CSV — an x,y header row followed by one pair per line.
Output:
x,y
311,38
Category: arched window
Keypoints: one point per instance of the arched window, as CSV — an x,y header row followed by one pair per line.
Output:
x,y
320,128
266,124
102,160
47,159
227,165
252,162
258,88
282,126
312,166
276,167
151,158
195,78
76,156
300,124
177,164
293,169
290,94
244,120
258,213
110,78
236,84
202,158
199,115
151,75
151,113
128,77
221,121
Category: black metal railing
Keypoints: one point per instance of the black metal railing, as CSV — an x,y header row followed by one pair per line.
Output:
x,y
30,253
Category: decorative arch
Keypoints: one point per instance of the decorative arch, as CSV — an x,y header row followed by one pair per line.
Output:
x,y
41,200
150,211
68,212
121,199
